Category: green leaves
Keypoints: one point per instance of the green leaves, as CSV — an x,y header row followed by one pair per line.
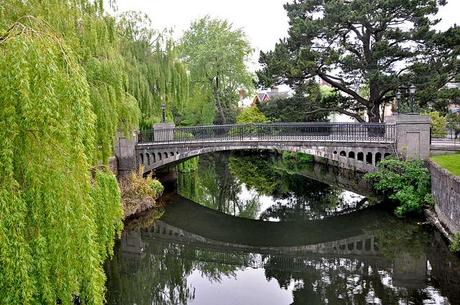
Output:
x,y
216,55
406,182
57,225
251,115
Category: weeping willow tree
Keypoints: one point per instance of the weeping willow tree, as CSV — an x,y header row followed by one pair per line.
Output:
x,y
156,75
57,219
93,38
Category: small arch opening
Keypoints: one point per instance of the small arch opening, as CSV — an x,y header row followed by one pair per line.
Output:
x,y
360,156
378,157
335,152
351,155
171,153
166,155
153,158
159,156
369,158
142,158
148,158
343,153
386,155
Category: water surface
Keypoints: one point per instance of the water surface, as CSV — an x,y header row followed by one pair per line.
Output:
x,y
257,228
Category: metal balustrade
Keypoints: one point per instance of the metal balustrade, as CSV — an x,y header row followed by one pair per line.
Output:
x,y
315,131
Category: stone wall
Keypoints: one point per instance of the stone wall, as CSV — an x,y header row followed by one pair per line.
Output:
x,y
445,188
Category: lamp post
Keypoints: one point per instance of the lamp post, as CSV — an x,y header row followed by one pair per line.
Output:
x,y
398,100
163,112
412,91
408,94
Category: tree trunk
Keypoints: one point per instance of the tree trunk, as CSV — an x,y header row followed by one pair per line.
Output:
x,y
373,109
218,102
373,112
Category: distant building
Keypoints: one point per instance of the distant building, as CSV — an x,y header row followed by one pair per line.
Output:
x,y
274,93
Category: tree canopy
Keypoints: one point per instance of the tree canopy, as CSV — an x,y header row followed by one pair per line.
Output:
x,y
216,56
379,44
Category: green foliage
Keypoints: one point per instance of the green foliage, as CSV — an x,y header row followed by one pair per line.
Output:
x,y
216,56
189,165
438,125
300,158
301,106
58,224
407,182
155,73
362,42
156,187
455,245
251,115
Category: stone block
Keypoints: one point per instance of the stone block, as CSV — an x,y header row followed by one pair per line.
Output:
x,y
163,132
412,135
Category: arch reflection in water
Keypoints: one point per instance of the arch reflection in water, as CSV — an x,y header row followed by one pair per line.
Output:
x,y
270,186
381,261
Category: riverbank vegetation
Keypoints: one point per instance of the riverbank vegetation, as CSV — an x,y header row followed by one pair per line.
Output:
x,y
406,182
138,193
450,162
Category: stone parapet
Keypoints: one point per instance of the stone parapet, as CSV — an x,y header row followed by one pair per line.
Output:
x,y
163,132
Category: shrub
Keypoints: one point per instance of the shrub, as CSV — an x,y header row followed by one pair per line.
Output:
x,y
406,182
438,125
251,115
156,187
137,190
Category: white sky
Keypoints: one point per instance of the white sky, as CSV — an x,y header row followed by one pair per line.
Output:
x,y
263,21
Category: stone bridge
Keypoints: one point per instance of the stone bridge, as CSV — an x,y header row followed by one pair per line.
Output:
x,y
355,146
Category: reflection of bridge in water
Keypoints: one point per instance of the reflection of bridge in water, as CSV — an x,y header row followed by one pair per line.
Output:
x,y
348,241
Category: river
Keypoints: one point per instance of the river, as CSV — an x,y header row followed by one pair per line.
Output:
x,y
262,228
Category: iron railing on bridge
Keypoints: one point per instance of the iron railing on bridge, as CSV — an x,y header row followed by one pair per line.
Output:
x,y
317,131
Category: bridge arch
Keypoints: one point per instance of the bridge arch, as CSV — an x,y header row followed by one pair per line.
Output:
x,y
340,156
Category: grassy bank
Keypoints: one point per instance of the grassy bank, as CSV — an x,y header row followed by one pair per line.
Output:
x,y
450,162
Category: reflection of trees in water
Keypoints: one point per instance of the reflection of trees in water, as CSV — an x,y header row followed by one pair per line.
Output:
x,y
143,278
157,273
214,186
217,185
343,281
297,197
153,267
397,275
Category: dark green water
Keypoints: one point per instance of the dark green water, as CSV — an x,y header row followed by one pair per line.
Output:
x,y
255,228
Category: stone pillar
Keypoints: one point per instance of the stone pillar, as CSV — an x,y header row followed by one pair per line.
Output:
x,y
412,135
163,132
125,151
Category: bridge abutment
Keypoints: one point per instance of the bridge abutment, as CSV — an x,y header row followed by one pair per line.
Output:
x,y
125,152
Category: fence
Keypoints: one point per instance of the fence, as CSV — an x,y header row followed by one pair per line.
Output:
x,y
317,131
